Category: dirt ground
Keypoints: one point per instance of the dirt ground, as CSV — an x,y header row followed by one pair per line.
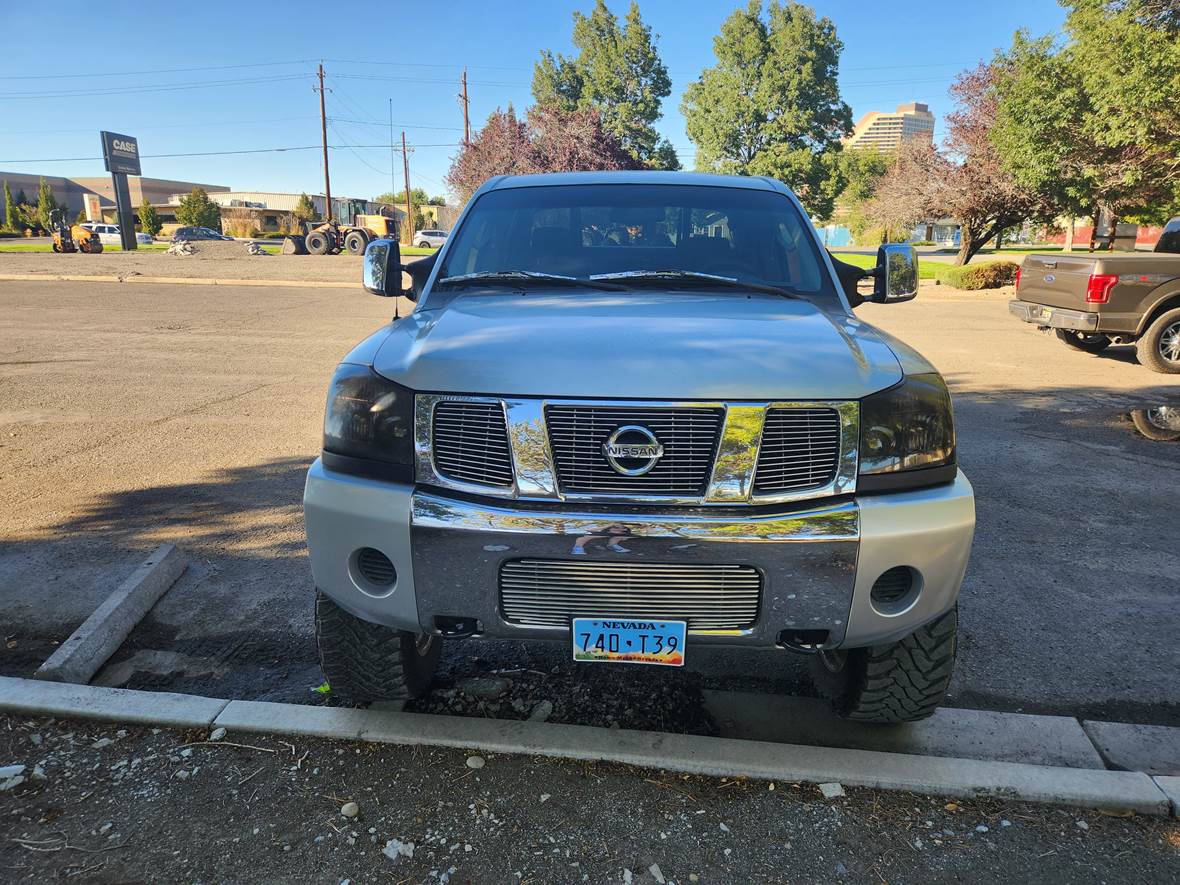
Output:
x,y
131,415
100,803
220,260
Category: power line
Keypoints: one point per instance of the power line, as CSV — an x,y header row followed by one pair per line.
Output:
x,y
135,90
275,150
202,125
90,76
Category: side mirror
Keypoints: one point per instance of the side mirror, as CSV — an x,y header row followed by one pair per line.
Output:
x,y
383,268
896,273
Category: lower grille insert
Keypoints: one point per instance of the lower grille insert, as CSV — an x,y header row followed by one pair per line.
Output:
x,y
548,593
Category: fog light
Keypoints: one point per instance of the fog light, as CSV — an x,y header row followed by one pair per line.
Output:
x,y
375,567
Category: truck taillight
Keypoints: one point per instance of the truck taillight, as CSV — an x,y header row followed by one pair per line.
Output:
x,y
1018,278
1098,289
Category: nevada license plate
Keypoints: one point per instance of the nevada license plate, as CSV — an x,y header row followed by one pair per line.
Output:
x,y
629,642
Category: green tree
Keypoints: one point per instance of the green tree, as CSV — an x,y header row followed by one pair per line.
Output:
x,y
46,204
197,210
149,218
617,72
1097,136
11,215
860,172
305,209
771,105
421,198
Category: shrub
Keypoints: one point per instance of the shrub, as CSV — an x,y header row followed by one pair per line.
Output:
x,y
923,243
990,275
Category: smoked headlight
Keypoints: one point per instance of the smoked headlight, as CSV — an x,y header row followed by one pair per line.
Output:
x,y
369,425
907,436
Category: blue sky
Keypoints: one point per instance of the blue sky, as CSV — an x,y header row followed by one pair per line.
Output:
x,y
377,52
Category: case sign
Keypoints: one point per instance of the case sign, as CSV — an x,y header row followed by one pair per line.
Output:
x,y
120,153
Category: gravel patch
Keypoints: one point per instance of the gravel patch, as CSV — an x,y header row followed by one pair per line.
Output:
x,y
160,805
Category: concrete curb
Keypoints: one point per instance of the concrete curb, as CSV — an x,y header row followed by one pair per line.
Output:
x,y
181,281
964,778
959,778
79,657
1171,789
63,700
1154,749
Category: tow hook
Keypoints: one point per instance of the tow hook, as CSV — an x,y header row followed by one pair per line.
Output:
x,y
456,628
803,642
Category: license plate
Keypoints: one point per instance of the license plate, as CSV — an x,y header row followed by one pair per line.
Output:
x,y
629,642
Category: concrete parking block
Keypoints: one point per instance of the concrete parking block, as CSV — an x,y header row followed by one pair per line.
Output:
x,y
1171,789
713,756
967,734
80,656
1154,749
64,700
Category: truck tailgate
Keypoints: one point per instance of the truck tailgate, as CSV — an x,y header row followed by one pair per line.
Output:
x,y
1056,280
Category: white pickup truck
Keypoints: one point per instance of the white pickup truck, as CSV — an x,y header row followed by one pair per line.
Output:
x,y
634,413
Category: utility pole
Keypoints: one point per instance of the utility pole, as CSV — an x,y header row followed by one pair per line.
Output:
x,y
466,122
324,136
409,199
393,175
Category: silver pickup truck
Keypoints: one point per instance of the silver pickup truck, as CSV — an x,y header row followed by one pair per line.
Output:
x,y
634,413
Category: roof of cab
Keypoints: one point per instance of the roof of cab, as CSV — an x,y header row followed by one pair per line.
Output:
x,y
641,176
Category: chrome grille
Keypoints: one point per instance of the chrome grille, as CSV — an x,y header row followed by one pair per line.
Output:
x,y
689,437
471,442
549,592
800,449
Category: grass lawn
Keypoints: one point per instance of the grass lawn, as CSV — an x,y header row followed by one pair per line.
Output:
x,y
925,268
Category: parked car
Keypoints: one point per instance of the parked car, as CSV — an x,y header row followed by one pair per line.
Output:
x,y
108,234
430,239
1094,300
197,233
680,437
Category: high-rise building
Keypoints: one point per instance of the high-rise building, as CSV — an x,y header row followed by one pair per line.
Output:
x,y
884,132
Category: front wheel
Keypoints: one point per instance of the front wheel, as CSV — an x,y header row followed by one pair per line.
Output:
x,y
317,243
1159,346
1088,342
423,245
355,242
363,661
901,681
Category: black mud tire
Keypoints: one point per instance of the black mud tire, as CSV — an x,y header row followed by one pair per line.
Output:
x,y
1158,348
902,681
363,661
1087,342
317,243
355,242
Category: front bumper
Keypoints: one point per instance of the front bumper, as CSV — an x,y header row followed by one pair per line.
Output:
x,y
818,560
1053,317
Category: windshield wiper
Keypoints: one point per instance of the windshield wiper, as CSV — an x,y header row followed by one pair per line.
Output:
x,y
673,276
526,276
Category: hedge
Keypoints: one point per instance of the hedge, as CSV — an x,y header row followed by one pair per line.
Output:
x,y
990,275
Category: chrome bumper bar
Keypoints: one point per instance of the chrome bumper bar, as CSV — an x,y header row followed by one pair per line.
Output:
x,y
1053,317
818,560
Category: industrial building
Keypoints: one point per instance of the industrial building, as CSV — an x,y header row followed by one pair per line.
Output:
x,y
72,192
884,132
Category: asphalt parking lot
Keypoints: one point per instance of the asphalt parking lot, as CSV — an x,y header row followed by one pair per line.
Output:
x,y
136,414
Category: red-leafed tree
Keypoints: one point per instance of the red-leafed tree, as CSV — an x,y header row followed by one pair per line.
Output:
x,y
501,147
967,181
548,140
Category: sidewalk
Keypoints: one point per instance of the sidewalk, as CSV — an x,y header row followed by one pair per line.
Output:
x,y
102,803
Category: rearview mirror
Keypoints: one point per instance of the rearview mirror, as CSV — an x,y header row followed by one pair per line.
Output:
x,y
896,273
383,268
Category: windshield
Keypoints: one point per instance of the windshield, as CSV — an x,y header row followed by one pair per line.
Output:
x,y
585,230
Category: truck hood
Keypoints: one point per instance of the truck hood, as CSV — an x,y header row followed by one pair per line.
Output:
x,y
648,345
